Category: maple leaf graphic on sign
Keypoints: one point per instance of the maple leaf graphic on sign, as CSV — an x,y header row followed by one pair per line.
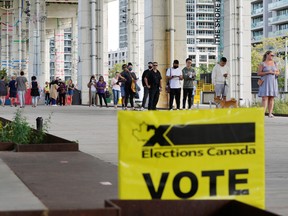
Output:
x,y
142,134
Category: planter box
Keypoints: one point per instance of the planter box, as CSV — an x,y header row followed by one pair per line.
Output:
x,y
51,143
156,208
6,146
184,208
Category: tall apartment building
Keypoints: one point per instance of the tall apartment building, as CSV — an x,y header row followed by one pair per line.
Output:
x,y
67,66
269,19
200,32
123,23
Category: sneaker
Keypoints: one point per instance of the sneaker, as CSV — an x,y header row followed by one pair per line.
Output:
x,y
271,115
142,109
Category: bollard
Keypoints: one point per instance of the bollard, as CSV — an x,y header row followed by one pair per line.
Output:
x,y
39,123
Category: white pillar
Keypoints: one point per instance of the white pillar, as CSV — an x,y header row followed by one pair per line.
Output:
x,y
74,50
157,39
135,29
232,44
104,42
84,44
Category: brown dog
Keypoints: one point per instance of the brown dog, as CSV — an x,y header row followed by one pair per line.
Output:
x,y
225,103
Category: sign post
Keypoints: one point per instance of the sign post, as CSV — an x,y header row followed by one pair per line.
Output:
x,y
199,154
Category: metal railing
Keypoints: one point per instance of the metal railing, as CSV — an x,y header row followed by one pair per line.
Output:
x,y
277,4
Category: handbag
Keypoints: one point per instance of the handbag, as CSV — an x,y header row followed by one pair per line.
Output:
x,y
133,84
167,87
260,82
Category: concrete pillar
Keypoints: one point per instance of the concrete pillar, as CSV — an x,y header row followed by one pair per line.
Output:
x,y
157,39
232,44
103,51
84,49
59,53
44,52
85,44
6,35
74,50
15,60
135,28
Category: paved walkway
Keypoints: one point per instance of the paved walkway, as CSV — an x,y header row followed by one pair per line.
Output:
x,y
96,131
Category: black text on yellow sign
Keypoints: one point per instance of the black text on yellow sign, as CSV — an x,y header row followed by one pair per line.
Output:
x,y
207,154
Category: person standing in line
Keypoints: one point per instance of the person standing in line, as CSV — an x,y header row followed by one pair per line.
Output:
x,y
189,75
3,90
70,88
115,89
146,90
153,83
126,78
54,92
12,91
21,84
34,91
220,73
47,94
130,77
174,75
269,89
62,93
122,82
92,91
101,86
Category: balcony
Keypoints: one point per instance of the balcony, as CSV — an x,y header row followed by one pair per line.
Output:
x,y
257,38
207,19
278,5
257,25
205,10
278,19
205,2
257,12
279,33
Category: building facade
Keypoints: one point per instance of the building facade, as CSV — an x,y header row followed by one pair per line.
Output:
x,y
117,57
200,32
269,18
123,23
67,65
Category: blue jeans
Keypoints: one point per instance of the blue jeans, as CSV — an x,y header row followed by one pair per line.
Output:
x,y
115,96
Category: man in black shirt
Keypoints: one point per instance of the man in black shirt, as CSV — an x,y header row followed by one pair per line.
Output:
x,y
153,83
129,77
146,90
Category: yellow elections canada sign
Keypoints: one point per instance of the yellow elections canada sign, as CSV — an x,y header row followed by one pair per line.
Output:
x,y
198,154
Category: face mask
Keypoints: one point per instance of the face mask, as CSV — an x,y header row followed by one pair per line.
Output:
x,y
130,69
150,67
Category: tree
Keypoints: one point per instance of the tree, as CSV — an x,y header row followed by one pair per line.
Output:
x,y
3,72
274,44
116,68
203,69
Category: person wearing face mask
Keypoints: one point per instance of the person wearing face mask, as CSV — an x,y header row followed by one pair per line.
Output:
x,y
146,90
130,77
174,75
189,75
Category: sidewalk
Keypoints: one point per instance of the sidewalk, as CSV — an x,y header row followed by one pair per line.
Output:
x,y
96,131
